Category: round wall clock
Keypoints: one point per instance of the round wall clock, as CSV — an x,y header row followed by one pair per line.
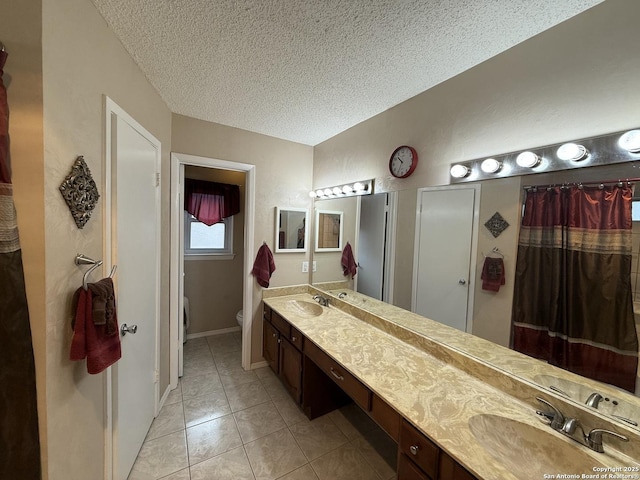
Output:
x,y
403,161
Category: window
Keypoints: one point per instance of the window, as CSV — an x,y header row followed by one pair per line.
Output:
x,y
201,239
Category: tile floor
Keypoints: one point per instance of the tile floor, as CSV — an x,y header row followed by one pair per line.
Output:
x,y
226,423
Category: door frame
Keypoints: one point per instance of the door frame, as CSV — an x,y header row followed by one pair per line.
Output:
x,y
175,301
473,258
112,108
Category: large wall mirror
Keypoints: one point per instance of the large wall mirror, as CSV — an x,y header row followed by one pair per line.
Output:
x,y
492,310
329,230
291,230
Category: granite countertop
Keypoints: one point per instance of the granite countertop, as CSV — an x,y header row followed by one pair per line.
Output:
x,y
436,397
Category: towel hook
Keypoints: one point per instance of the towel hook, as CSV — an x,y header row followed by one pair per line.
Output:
x,y
84,260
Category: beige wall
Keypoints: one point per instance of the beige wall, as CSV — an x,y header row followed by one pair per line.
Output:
x,y
283,178
82,61
576,80
214,287
21,33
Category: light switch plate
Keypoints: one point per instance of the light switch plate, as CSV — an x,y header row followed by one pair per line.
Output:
x,y
305,267
314,266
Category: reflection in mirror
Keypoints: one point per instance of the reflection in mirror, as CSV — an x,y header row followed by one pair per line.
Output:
x,y
291,230
329,231
492,311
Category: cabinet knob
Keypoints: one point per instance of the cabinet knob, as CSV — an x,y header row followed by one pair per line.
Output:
x,y
279,341
273,335
294,339
414,449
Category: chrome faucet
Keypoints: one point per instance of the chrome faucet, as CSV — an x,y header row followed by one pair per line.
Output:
x,y
321,300
594,438
341,295
555,417
569,427
594,400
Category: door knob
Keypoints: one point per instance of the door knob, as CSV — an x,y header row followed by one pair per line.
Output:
x,y
462,281
124,329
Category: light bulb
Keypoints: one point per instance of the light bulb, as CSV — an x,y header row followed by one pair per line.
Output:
x,y
320,193
313,194
528,160
327,192
358,187
460,171
337,191
347,189
490,165
572,151
630,141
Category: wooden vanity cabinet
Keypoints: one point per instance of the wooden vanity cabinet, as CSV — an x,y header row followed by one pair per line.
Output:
x,y
421,459
280,350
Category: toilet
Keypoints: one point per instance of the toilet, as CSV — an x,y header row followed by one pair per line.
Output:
x,y
239,318
186,323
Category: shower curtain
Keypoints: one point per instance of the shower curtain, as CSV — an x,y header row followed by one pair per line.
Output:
x,y
573,304
19,439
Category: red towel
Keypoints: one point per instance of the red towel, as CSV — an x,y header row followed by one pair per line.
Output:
x,y
264,266
91,341
349,266
492,274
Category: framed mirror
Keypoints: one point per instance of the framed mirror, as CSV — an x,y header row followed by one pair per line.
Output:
x,y
291,230
329,231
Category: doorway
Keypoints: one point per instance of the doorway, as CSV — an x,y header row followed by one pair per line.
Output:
x,y
376,231
178,163
445,257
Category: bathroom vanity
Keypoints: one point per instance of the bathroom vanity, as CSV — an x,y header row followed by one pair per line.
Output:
x,y
452,416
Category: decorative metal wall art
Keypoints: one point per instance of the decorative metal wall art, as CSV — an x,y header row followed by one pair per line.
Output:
x,y
80,192
496,224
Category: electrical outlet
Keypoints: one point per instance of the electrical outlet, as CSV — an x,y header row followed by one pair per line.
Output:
x,y
305,267
314,266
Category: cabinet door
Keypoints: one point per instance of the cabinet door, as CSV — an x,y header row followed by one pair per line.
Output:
x,y
270,341
291,369
449,469
407,470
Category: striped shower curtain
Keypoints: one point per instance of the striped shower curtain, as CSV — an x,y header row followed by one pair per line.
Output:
x,y
19,439
573,304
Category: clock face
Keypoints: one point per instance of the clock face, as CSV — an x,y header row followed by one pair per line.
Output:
x,y
403,161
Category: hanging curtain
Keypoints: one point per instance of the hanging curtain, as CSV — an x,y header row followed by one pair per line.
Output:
x,y
210,202
573,304
19,438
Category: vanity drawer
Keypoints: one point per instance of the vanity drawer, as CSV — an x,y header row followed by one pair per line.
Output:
x,y
296,338
350,384
419,448
281,324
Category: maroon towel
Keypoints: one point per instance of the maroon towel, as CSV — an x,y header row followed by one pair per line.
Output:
x,y
349,266
264,266
91,341
492,274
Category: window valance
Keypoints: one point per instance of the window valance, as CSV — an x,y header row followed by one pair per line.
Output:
x,y
210,202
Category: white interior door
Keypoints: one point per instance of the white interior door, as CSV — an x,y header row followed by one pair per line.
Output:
x,y
136,251
371,245
444,235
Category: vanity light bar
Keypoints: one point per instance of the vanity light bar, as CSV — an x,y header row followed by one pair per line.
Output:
x,y
618,147
363,187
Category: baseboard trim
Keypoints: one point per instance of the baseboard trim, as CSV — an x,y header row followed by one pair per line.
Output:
x,y
212,332
261,364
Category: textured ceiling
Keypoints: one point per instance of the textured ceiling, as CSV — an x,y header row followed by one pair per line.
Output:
x,y
306,70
